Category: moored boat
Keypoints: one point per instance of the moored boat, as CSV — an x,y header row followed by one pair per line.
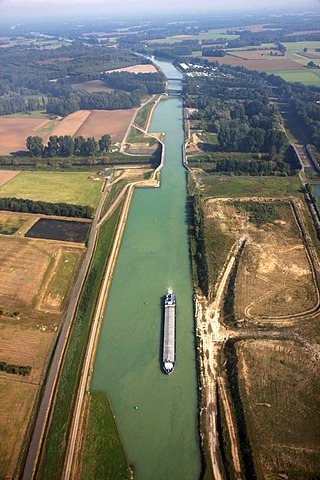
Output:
x,y
169,334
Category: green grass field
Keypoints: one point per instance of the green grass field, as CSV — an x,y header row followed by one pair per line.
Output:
x,y
37,114
103,456
309,76
71,187
143,114
215,186
209,35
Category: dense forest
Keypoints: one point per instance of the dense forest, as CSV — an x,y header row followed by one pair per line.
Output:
x,y
31,78
240,107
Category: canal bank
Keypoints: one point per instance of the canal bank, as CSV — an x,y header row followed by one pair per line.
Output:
x,y
156,413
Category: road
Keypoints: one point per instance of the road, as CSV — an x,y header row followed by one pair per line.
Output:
x,y
53,373
213,336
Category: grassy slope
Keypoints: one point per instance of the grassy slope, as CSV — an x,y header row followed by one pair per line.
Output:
x,y
74,188
104,456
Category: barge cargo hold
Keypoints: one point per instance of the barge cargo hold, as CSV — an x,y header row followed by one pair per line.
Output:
x,y
169,334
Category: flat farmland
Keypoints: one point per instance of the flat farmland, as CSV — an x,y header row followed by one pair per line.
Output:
x,y
91,86
113,122
254,54
71,124
149,68
70,187
30,347
281,398
16,401
270,64
6,175
14,131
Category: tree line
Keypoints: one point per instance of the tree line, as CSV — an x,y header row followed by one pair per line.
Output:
x,y
23,205
15,369
66,146
152,83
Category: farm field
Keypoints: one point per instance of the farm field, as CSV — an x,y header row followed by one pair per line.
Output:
x,y
281,403
70,187
271,64
36,280
6,175
91,86
14,131
113,122
136,69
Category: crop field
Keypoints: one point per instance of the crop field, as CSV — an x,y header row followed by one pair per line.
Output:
x,y
265,64
69,187
14,131
113,122
16,401
136,69
6,175
91,86
36,280
281,398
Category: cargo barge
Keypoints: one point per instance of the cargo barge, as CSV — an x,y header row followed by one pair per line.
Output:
x,y
169,334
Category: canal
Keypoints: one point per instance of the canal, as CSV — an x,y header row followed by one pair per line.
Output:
x,y
156,413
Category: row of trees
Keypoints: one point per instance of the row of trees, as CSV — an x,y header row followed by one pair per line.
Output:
x,y
66,146
15,369
13,204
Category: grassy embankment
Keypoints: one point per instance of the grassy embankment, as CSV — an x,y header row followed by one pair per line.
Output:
x,y
52,461
103,456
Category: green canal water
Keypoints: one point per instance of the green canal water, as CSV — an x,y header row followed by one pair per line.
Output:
x,y
160,435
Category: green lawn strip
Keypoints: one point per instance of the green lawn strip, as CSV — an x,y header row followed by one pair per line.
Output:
x,y
115,190
64,271
54,187
36,114
215,186
308,76
56,442
104,456
143,115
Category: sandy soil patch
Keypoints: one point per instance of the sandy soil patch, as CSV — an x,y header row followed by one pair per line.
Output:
x,y
6,175
136,69
92,86
113,122
14,131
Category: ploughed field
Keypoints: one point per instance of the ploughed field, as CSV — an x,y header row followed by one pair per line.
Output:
x,y
89,123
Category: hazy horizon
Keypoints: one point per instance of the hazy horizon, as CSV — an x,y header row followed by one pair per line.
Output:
x,y
112,8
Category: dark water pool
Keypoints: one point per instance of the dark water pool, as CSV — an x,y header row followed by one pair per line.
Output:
x,y
63,230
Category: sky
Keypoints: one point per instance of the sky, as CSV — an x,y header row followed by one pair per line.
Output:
x,y
114,7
